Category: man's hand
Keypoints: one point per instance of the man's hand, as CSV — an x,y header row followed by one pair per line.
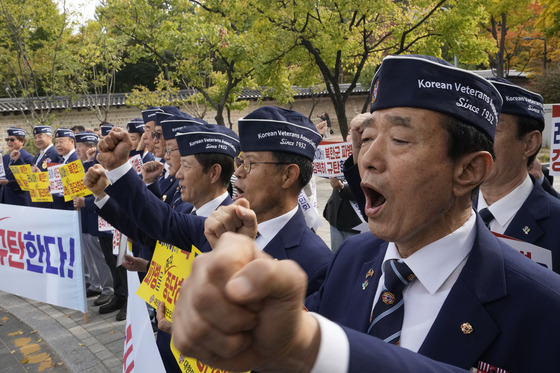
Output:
x,y
241,310
79,202
35,169
237,218
135,264
114,149
4,181
14,155
355,130
162,323
151,171
90,153
96,180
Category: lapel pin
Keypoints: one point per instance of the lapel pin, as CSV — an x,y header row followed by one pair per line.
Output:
x,y
466,328
370,273
365,284
526,229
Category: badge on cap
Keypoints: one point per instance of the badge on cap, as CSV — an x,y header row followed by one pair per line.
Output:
x,y
526,229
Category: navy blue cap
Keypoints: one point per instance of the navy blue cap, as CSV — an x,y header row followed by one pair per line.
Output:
x,y
86,136
149,114
275,129
106,128
64,132
430,83
135,126
16,131
519,101
42,129
207,138
170,127
170,112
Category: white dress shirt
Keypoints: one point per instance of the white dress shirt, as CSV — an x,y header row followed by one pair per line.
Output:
x,y
211,206
267,230
437,267
504,209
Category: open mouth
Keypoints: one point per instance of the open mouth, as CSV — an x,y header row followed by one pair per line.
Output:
x,y
239,192
374,199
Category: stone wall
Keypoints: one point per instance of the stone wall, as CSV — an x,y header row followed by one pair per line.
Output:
x,y
122,115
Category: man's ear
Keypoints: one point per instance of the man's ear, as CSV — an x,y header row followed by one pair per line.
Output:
x,y
290,175
533,142
215,173
470,171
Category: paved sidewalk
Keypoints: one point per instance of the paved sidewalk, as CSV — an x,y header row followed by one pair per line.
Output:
x,y
69,343
72,345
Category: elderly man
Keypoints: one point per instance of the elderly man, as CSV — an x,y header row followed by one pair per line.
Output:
x,y
510,201
10,192
429,277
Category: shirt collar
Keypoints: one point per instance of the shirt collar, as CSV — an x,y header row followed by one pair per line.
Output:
x,y
68,155
434,263
209,207
506,207
270,228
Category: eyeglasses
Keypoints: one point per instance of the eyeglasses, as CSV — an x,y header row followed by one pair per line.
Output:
x,y
156,135
247,164
10,139
169,151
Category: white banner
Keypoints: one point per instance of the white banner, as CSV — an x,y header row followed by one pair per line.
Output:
x,y
41,256
140,350
555,142
329,158
55,181
535,253
2,172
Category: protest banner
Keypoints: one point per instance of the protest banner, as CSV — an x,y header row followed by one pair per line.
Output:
x,y
535,253
55,183
2,171
140,351
103,225
136,163
168,269
555,142
72,176
41,257
20,174
39,187
329,158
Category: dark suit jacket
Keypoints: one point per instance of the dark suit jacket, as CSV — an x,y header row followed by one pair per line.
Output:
x,y
538,222
158,220
12,193
511,302
58,201
51,156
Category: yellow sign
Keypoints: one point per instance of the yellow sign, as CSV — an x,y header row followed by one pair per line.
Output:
x,y
72,176
168,269
20,174
190,365
39,187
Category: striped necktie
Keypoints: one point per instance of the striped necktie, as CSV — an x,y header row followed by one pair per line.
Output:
x,y
387,316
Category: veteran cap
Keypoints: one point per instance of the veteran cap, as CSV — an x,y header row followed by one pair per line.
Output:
x,y
169,112
149,114
64,132
42,129
173,125
135,126
86,136
207,138
106,128
16,131
275,129
430,83
519,101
